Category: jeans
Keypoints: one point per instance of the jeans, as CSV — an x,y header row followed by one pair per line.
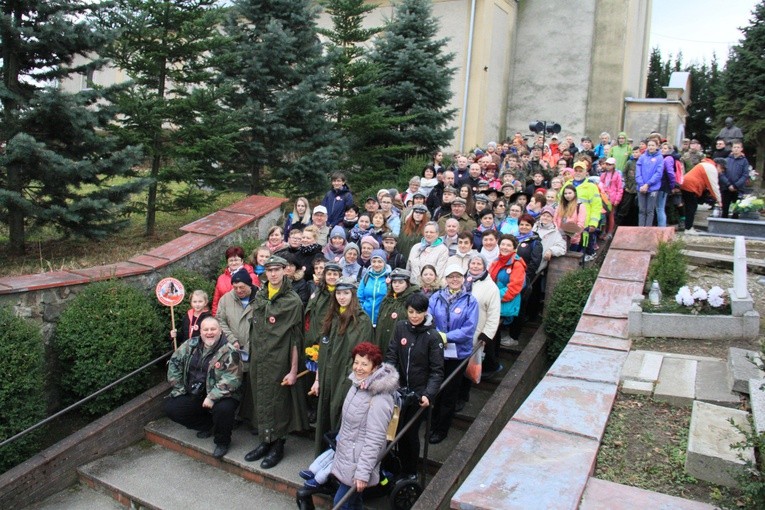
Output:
x,y
646,206
661,209
354,503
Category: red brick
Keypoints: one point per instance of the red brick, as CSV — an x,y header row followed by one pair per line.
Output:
x,y
219,223
256,205
148,261
181,246
602,326
602,341
641,238
625,265
41,281
118,270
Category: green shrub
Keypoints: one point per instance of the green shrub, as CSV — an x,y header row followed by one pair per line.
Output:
x,y
668,267
22,399
564,307
108,330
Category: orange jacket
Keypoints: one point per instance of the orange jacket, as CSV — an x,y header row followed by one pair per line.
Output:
x,y
702,177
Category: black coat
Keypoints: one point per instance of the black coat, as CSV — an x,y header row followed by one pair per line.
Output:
x,y
530,251
417,352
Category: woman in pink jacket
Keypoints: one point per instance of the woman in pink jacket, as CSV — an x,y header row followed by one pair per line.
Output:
x,y
612,185
570,217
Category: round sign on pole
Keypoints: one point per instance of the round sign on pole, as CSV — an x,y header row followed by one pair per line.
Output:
x,y
170,292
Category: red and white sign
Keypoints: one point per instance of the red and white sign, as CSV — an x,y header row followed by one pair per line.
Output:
x,y
170,292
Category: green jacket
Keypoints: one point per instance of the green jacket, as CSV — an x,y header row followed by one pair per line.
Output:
x,y
335,363
224,376
315,310
621,152
392,310
277,327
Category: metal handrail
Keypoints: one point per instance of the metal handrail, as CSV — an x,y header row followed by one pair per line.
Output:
x,y
86,399
410,423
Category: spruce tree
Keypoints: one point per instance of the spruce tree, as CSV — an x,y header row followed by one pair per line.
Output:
x,y
170,107
356,94
276,75
58,165
415,75
743,96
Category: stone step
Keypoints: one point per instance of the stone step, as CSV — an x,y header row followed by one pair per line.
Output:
x,y
642,366
148,476
77,497
676,384
604,495
710,456
712,384
757,401
741,369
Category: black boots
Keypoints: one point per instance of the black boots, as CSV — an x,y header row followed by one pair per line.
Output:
x,y
275,454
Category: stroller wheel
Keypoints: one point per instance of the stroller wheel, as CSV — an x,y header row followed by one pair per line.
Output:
x,y
404,494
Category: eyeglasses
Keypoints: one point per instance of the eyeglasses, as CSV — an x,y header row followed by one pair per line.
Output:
x,y
454,276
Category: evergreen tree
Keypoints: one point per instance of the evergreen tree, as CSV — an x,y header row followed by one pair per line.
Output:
x,y
415,75
164,47
277,74
705,84
655,78
354,88
743,85
58,166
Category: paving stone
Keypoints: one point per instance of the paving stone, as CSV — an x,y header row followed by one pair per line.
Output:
x,y
757,401
641,238
712,384
77,497
219,223
569,405
632,387
631,367
612,298
677,382
710,456
529,467
741,369
603,341
625,265
650,367
589,363
690,356
604,495
602,326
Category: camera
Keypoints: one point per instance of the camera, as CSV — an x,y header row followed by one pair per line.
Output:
x,y
197,389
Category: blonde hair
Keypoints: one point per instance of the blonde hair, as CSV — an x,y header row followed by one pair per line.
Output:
x,y
200,293
313,230
306,218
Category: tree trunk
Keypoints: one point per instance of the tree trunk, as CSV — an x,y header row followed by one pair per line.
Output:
x,y
256,186
16,233
151,200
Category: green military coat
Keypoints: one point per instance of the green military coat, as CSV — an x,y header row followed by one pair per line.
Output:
x,y
392,310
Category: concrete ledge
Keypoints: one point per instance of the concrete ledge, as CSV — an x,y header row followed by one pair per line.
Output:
x,y
55,468
757,400
693,327
604,495
751,229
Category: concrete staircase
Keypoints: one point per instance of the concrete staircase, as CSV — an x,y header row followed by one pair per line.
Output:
x,y
173,469
714,388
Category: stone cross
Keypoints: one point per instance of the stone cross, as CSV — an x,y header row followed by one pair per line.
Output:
x,y
739,268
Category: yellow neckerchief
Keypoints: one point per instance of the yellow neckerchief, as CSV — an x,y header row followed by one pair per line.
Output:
x,y
331,288
452,292
272,291
343,309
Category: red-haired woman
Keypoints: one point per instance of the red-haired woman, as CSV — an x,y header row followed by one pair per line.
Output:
x,y
234,262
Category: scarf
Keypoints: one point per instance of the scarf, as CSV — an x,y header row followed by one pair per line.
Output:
x,y
502,261
424,245
471,279
275,247
310,249
524,237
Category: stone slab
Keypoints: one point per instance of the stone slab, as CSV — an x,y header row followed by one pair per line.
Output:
x,y
751,229
604,495
602,326
529,467
626,265
689,356
602,341
632,387
757,401
159,478
712,384
148,261
77,497
118,270
650,368
256,205
181,246
699,327
677,382
589,363
741,369
219,223
28,282
710,456
569,405
631,367
612,298
641,238
739,306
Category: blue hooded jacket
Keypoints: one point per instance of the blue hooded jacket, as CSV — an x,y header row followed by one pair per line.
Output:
x,y
336,201
458,319
650,170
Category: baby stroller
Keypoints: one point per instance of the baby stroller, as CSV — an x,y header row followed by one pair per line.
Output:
x,y
402,491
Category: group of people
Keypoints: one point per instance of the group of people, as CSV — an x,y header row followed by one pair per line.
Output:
x,y
396,293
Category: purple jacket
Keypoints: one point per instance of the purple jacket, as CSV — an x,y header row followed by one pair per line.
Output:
x,y
649,170
668,181
457,320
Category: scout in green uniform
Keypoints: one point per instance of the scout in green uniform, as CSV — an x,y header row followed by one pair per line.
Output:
x,y
345,326
318,303
276,334
393,306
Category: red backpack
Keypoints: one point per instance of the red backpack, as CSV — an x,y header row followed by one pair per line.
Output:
x,y
679,171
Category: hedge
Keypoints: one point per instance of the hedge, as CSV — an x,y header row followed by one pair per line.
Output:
x,y
565,306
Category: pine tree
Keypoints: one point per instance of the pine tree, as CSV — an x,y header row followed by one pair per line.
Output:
x,y
354,87
58,165
277,74
164,46
704,90
415,75
655,76
743,85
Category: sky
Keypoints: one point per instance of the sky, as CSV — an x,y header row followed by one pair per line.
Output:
x,y
699,27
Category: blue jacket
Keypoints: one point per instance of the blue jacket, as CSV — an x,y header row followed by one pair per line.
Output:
x,y
336,202
458,320
736,173
649,170
372,290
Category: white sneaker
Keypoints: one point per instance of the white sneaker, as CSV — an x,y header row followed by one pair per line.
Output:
x,y
589,258
508,342
691,231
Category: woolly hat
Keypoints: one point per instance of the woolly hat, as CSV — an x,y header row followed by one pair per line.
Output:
x,y
548,210
380,254
241,276
370,240
348,247
337,231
